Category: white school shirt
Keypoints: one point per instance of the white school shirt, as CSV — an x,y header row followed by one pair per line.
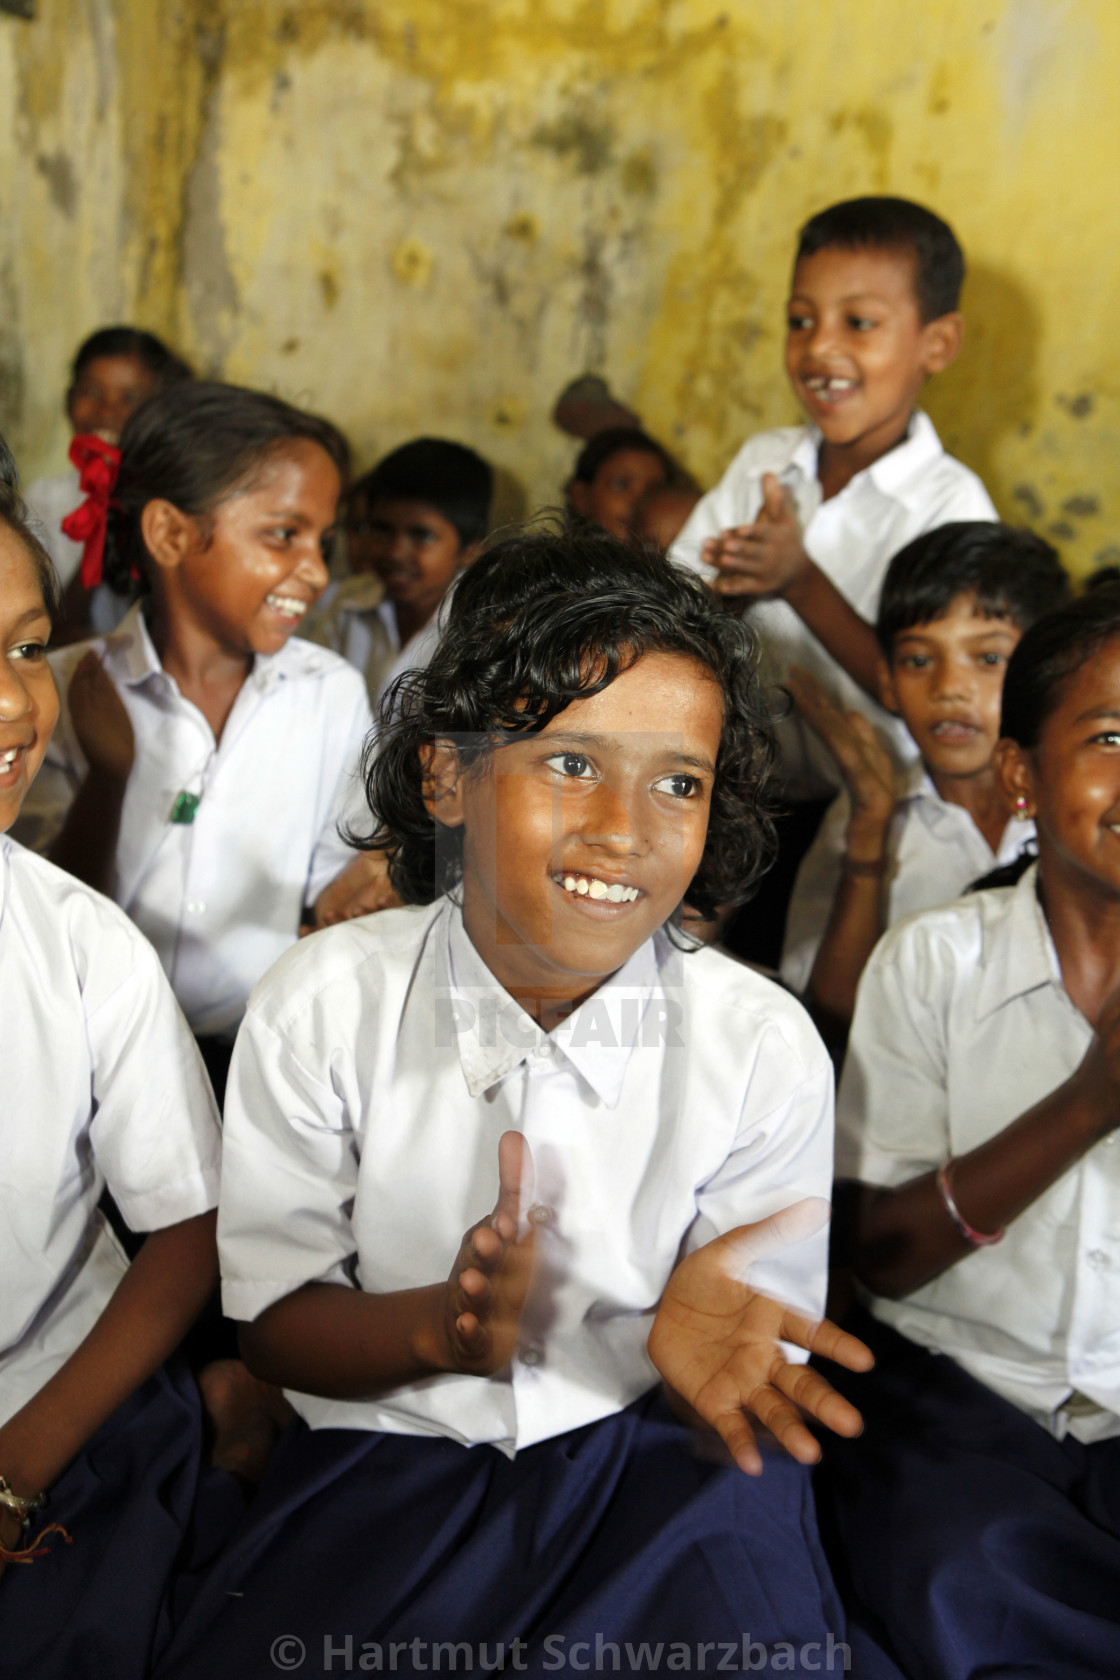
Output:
x,y
103,1085
49,500
220,897
354,619
962,1023
852,538
934,851
377,1067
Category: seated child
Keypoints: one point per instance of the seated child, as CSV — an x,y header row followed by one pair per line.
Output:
x,y
805,519
115,370
979,1112
955,602
487,1459
414,521
613,471
99,1442
205,757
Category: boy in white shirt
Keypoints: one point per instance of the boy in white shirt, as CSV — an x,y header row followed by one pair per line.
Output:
x,y
955,602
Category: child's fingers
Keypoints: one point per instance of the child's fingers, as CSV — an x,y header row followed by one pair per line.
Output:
x,y
472,1334
738,1437
515,1177
738,1250
827,1340
784,1421
812,1393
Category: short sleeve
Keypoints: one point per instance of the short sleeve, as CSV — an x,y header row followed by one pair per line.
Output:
x,y
289,1175
892,1113
782,1153
348,811
155,1131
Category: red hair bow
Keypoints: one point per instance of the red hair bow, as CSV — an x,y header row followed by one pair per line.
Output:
x,y
98,464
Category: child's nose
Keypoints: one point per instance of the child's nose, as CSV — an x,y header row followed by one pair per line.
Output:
x,y
15,701
611,821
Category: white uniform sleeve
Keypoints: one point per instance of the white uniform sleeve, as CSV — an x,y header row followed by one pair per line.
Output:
x,y
813,895
892,1113
155,1131
348,808
735,500
289,1175
782,1153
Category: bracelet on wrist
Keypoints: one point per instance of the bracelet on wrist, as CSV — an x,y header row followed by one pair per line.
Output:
x,y
978,1239
23,1508
872,868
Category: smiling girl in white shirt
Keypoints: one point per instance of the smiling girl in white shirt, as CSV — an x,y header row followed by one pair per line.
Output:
x,y
489,1459
205,758
99,1444
978,1112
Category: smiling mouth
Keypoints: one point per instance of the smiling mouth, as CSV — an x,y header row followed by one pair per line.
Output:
x,y
829,387
955,729
594,887
10,759
288,606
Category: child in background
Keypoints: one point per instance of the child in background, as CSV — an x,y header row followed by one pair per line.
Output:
x,y
663,512
613,471
978,1113
99,1441
955,602
488,1459
115,370
805,520
413,522
205,758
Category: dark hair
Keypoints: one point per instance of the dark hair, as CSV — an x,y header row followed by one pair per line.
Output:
x,y
165,367
546,617
13,515
194,445
613,441
894,224
1048,655
1013,574
448,477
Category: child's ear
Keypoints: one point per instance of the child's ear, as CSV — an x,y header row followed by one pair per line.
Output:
x,y
169,534
942,341
470,552
1015,776
443,782
888,698
579,494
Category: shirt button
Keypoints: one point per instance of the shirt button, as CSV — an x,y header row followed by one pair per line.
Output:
x,y
530,1356
540,1215
1098,1259
195,906
545,1048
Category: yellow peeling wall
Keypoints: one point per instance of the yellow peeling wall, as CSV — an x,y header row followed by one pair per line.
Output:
x,y
428,215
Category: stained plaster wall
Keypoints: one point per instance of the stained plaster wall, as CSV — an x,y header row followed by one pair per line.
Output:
x,y
429,214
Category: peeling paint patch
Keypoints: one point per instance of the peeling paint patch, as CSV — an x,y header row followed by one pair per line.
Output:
x,y
1029,500
589,144
412,262
507,414
1081,506
1080,406
58,172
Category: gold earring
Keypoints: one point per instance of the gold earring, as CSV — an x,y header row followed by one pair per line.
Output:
x,y
1021,812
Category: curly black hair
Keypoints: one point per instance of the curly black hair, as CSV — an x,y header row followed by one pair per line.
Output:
x,y
14,517
547,616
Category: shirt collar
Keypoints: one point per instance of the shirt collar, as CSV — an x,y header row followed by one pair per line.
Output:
x,y
898,474
130,654
1018,954
494,1035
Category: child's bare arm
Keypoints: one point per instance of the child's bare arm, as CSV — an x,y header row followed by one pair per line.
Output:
x,y
856,920
905,1237
769,558
154,1305
716,1342
347,1344
86,845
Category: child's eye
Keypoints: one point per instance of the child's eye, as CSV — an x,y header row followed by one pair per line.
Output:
x,y
282,533
678,786
32,652
572,765
861,323
1107,738
993,659
914,661
799,323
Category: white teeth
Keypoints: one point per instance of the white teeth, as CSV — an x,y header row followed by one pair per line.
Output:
x,y
9,758
589,886
288,605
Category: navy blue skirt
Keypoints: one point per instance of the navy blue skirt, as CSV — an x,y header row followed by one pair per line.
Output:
x,y
977,1543
614,1547
102,1608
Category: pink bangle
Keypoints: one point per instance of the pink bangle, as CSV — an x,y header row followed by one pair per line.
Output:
x,y
944,1185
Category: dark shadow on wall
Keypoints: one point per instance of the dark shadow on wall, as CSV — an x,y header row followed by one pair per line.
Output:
x,y
991,391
